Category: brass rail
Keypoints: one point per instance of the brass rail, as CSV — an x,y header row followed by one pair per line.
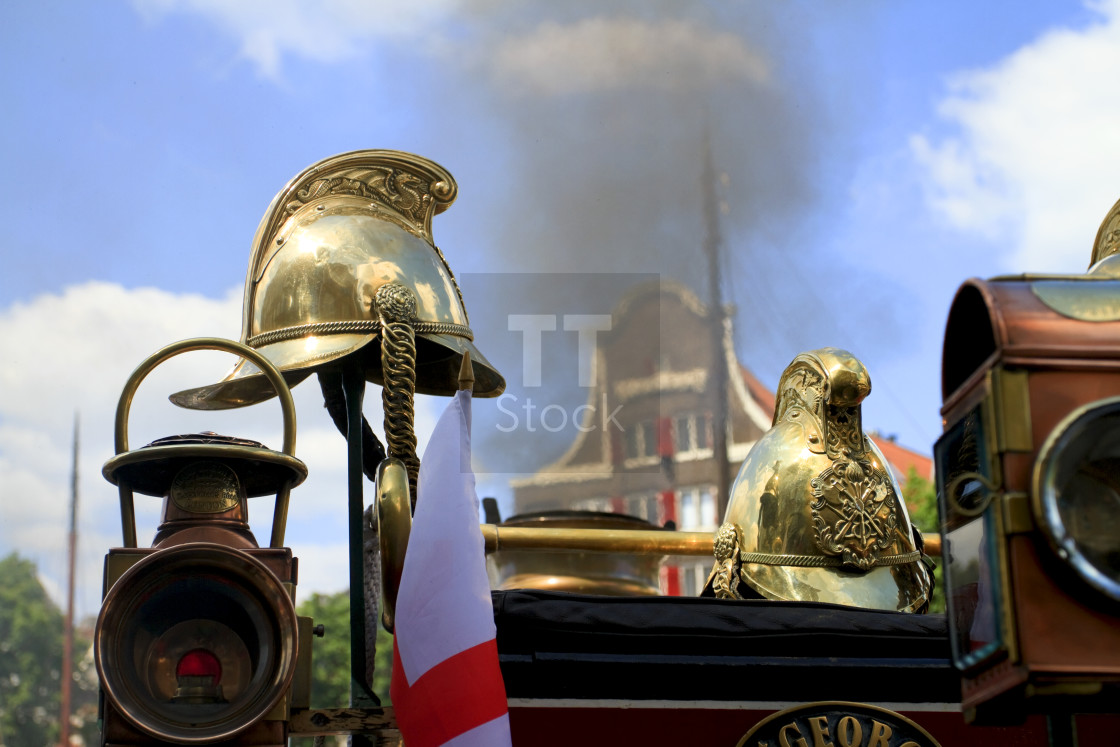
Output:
x,y
634,541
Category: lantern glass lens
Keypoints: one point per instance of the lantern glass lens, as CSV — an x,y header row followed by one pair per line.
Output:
x,y
1077,493
969,541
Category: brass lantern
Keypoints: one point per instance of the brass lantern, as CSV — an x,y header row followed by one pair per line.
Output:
x,y
197,641
1028,473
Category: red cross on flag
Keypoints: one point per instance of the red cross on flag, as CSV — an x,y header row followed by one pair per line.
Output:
x,y
446,685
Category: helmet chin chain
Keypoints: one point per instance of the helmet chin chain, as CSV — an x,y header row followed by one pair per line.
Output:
x,y
396,308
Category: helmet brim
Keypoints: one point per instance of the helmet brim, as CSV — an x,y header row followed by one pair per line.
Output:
x,y
439,357
899,588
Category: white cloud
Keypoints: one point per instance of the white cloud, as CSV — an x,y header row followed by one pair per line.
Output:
x,y
328,31
602,54
1034,157
72,352
594,54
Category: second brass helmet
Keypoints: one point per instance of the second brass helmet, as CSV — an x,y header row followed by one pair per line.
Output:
x,y
331,238
815,514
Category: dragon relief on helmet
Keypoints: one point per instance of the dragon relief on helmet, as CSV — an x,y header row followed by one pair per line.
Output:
x,y
804,389
405,194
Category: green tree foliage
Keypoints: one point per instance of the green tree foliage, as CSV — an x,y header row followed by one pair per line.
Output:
x,y
383,664
31,663
330,668
330,661
30,656
921,502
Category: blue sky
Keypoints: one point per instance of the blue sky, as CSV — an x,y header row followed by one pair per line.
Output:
x,y
876,154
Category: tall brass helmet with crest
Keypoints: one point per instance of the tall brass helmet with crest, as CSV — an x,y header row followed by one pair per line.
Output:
x,y
815,514
331,255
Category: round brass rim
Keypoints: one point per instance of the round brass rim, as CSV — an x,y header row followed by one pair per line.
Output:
x,y
1044,504
271,473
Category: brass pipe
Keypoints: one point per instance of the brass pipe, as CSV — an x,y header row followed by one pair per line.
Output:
x,y
635,541
394,524
280,515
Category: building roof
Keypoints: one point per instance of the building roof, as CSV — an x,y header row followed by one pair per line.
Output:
x,y
758,391
903,459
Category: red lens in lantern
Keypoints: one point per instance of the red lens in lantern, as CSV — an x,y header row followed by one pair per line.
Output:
x,y
199,663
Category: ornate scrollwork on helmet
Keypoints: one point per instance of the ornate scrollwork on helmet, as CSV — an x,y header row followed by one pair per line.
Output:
x,y
404,193
802,389
845,433
724,578
395,303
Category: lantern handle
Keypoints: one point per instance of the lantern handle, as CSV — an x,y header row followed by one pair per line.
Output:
x,y
124,404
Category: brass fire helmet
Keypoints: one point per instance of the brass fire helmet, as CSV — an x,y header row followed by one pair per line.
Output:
x,y
331,238
815,514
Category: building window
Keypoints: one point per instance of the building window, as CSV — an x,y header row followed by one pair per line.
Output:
x,y
642,506
688,582
688,510
649,438
707,507
698,508
641,440
633,442
692,432
693,577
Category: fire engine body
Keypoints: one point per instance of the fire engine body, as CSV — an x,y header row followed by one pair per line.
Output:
x,y
198,641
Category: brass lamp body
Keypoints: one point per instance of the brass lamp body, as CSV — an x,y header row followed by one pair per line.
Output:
x,y
197,641
1024,358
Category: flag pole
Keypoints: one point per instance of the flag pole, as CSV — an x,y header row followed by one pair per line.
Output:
x,y
68,632
466,373
717,324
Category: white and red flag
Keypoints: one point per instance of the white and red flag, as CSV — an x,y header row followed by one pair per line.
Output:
x,y
446,686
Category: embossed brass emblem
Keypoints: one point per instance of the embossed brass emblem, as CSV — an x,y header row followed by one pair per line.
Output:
x,y
205,488
838,723
853,512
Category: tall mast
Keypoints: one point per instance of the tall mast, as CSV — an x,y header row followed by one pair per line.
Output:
x,y
68,631
713,241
